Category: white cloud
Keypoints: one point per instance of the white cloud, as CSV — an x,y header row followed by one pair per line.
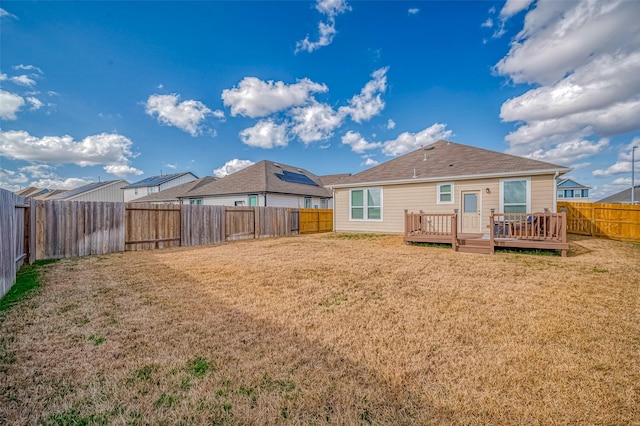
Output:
x,y
314,122
256,98
23,80
368,103
391,124
39,171
59,183
171,166
265,134
218,114
27,68
358,143
623,163
583,62
369,162
186,115
108,149
511,7
121,170
10,104
4,13
232,166
3,77
407,141
326,31
413,11
35,103
487,24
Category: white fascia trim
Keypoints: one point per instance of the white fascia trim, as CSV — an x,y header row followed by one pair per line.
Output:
x,y
448,178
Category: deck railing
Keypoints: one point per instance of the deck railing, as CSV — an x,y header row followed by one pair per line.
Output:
x,y
436,227
544,226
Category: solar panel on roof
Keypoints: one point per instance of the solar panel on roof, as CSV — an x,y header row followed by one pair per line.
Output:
x,y
292,177
153,180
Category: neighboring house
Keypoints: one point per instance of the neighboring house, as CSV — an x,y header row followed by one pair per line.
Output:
x,y
439,178
265,183
109,190
39,193
171,195
154,184
623,197
570,190
328,180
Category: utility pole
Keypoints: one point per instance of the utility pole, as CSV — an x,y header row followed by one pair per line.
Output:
x,y
633,174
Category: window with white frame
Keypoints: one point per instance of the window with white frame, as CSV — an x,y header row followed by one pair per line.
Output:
x,y
585,193
307,202
151,189
253,200
324,203
195,201
445,193
365,204
561,193
516,195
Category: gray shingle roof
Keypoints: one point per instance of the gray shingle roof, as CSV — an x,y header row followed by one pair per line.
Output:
x,y
261,177
333,179
172,194
93,186
449,160
623,197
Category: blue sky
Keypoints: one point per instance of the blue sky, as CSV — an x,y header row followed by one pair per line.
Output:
x,y
118,89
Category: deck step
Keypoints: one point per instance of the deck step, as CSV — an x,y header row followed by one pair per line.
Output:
x,y
473,248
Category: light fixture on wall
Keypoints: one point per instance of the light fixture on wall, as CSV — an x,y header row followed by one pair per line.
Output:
x,y
487,190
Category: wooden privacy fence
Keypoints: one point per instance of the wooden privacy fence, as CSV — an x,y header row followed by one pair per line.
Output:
x,y
76,228
614,221
14,241
316,220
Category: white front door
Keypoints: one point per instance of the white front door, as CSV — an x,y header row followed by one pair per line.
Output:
x,y
471,218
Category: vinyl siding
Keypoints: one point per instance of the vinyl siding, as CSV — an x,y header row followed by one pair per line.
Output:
x,y
423,197
177,181
111,192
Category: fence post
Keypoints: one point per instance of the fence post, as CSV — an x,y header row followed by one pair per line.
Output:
x,y
492,227
454,230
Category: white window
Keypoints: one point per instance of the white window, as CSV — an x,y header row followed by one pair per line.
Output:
x,y
445,193
516,195
307,202
324,203
151,189
135,191
365,204
561,194
239,203
577,193
195,201
253,200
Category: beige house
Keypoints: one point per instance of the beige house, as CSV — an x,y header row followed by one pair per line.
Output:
x,y
439,178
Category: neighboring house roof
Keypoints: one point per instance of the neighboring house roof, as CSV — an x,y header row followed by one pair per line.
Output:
x,y
623,197
93,186
568,183
157,180
333,179
444,160
32,191
172,194
48,195
264,176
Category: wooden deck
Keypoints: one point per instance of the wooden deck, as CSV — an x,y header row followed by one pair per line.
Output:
x,y
519,230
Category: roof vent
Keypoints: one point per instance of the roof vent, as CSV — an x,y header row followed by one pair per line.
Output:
x,y
428,148
450,165
300,170
414,174
425,157
277,165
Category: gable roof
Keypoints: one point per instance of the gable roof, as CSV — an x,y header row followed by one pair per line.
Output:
x,y
93,186
444,160
568,183
264,176
173,193
623,197
158,180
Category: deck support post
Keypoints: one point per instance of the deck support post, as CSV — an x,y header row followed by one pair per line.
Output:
x,y
492,227
454,230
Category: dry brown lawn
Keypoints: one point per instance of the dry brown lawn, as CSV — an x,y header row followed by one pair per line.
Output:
x,y
328,329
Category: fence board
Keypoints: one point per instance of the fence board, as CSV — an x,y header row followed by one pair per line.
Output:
x,y
614,221
12,239
151,226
